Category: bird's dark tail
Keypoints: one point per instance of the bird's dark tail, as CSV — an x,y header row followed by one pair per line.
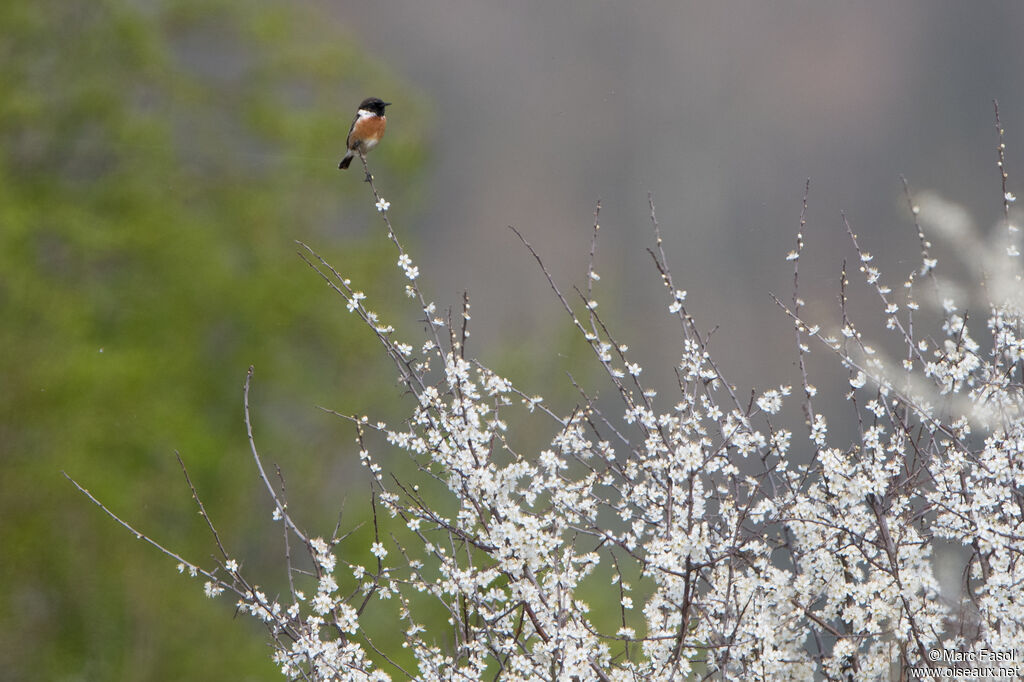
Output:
x,y
346,161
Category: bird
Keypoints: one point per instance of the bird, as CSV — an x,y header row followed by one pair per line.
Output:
x,y
367,129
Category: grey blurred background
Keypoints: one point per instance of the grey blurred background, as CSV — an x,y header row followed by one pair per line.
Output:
x,y
722,110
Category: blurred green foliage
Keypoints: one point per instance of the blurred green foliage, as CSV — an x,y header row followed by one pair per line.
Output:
x,y
157,162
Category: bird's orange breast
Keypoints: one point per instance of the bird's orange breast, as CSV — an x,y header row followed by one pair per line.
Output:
x,y
366,132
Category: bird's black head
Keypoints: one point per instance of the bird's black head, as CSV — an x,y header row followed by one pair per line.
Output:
x,y
375,105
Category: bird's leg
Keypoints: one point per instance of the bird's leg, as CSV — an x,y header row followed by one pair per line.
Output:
x,y
362,157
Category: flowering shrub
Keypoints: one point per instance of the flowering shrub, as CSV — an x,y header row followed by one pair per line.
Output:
x,y
758,551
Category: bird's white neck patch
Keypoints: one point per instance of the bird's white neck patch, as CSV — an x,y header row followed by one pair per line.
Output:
x,y
364,113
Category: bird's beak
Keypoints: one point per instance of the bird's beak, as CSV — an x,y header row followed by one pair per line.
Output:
x,y
386,104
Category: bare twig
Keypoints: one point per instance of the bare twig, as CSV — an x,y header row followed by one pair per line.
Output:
x,y
281,507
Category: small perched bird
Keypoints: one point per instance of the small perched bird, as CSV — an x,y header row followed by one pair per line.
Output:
x,y
367,129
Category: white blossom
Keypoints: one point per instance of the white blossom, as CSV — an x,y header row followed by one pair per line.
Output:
x,y
755,554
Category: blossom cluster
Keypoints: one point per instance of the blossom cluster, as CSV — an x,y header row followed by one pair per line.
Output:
x,y
691,535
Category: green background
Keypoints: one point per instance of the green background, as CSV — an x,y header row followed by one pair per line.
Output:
x,y
157,162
